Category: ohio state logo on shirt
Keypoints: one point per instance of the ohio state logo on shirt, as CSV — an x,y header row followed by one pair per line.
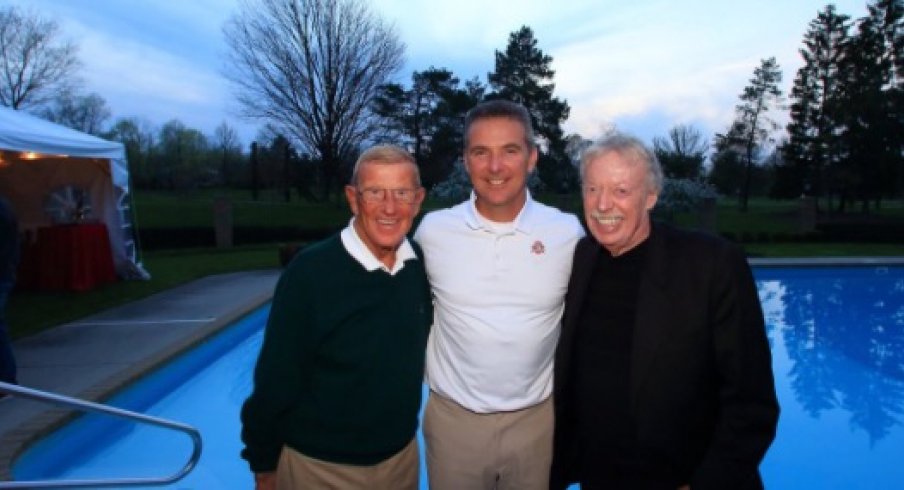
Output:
x,y
538,247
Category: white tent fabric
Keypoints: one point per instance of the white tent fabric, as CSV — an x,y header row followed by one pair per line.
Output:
x,y
67,157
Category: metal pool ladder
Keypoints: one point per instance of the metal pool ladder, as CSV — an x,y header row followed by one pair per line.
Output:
x,y
86,406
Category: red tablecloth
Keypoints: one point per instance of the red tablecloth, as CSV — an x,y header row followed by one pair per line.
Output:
x,y
67,257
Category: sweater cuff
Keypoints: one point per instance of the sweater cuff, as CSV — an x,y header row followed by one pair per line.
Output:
x,y
261,461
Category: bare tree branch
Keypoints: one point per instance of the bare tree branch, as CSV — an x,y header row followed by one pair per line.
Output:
x,y
310,68
34,65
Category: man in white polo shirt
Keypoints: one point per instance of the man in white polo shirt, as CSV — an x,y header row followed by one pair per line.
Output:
x,y
498,265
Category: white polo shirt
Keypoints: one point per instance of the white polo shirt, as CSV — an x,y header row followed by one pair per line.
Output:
x,y
499,291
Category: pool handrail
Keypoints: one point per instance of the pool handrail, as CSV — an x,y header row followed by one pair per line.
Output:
x,y
86,406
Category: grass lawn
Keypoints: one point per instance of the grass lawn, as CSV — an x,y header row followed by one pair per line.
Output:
x,y
32,312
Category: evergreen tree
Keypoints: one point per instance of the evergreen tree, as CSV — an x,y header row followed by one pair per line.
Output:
x,y
752,127
448,137
727,171
887,17
813,144
801,174
523,75
872,146
427,118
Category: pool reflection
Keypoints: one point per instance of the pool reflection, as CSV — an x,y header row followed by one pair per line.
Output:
x,y
838,354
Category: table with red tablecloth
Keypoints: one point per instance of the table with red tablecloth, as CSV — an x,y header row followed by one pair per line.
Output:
x,y
73,257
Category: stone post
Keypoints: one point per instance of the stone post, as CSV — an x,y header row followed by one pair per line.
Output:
x,y
222,222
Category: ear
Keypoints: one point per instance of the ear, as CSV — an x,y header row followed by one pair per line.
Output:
x,y
416,206
651,201
351,195
532,159
421,194
464,163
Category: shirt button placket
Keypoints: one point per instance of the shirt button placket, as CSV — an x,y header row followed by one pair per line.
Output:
x,y
497,265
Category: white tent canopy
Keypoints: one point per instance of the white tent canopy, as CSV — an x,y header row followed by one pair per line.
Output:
x,y
38,157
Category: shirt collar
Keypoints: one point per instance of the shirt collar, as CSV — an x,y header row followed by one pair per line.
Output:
x,y
522,221
356,248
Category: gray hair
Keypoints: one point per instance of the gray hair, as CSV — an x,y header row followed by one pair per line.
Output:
x,y
631,149
385,154
501,108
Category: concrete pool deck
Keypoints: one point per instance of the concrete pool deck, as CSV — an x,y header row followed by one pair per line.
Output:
x,y
93,357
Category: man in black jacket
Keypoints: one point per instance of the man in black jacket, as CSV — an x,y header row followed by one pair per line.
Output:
x,y
663,376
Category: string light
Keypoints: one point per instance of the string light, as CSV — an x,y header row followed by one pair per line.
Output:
x,y
33,155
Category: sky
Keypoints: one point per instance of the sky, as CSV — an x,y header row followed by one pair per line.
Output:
x,y
642,66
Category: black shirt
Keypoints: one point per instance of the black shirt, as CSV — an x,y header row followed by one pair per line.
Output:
x,y
609,456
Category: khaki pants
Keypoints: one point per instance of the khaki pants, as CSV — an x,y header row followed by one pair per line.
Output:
x,y
473,451
296,471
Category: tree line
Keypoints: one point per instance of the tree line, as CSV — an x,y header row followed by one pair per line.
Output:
x,y
320,72
846,135
318,76
844,142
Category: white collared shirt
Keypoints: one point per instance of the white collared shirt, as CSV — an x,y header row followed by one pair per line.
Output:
x,y
499,291
359,251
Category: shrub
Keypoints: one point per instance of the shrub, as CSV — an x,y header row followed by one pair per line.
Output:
x,y
683,196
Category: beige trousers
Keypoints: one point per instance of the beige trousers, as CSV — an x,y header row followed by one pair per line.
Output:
x,y
495,451
296,471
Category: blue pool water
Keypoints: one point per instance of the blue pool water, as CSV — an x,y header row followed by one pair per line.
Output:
x,y
837,337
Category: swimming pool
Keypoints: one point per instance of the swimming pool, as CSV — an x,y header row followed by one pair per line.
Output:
x,y
837,339
837,336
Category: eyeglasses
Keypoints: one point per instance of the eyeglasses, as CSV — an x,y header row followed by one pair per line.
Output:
x,y
373,194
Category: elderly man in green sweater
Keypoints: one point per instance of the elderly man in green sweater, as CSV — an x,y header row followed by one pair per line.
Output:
x,y
337,386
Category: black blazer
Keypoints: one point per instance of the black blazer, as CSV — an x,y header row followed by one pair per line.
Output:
x,y
702,390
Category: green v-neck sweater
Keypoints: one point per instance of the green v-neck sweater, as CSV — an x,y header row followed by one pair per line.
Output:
x,y
341,366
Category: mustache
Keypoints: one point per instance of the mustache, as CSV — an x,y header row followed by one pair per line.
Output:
x,y
599,215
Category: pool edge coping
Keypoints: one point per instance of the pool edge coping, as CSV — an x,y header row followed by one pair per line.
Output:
x,y
825,261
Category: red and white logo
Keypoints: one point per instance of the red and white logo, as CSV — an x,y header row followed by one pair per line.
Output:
x,y
538,248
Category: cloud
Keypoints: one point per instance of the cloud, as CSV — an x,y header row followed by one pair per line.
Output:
x,y
666,65
620,73
169,72
644,64
144,72
616,62
464,34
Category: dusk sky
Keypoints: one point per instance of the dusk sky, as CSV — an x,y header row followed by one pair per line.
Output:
x,y
642,65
